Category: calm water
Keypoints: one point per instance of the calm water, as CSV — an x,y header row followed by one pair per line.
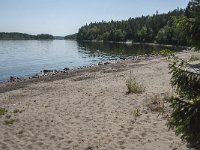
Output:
x,y
25,58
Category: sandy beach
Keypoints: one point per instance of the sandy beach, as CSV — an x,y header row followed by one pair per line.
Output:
x,y
89,109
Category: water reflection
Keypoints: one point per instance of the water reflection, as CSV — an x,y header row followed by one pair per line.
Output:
x,y
20,58
98,49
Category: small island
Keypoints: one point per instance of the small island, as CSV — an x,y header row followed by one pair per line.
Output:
x,y
24,36
71,36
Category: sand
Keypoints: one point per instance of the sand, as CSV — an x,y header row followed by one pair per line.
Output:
x,y
89,109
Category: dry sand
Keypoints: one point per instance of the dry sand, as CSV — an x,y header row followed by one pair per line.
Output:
x,y
88,109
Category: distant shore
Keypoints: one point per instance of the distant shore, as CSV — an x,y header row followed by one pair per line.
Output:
x,y
24,36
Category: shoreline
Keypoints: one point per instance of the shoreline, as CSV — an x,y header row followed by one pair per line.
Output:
x,y
52,75
52,72
10,75
132,43
14,83
89,108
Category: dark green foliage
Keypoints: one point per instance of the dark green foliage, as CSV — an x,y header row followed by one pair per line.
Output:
x,y
187,83
2,111
44,37
165,35
163,52
71,37
23,36
157,28
193,15
15,36
166,52
180,29
185,117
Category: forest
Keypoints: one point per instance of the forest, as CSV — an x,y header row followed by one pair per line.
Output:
x,y
71,37
23,36
159,28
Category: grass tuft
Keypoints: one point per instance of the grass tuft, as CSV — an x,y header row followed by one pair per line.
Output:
x,y
136,113
156,104
133,86
2,111
160,103
195,58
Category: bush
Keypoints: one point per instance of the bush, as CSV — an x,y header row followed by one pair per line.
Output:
x,y
163,52
133,86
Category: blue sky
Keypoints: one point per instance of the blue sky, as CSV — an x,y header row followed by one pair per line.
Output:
x,y
62,17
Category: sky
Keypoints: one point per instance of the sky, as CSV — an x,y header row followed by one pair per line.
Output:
x,y
63,17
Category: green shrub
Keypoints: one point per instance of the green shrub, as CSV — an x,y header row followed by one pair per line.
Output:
x,y
133,86
164,52
2,111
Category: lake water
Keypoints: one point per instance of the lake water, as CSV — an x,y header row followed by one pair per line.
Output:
x,y
28,57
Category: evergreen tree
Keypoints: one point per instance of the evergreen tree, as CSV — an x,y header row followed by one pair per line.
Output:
x,y
185,118
194,19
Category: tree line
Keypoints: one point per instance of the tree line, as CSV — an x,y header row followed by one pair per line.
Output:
x,y
158,28
24,36
71,37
